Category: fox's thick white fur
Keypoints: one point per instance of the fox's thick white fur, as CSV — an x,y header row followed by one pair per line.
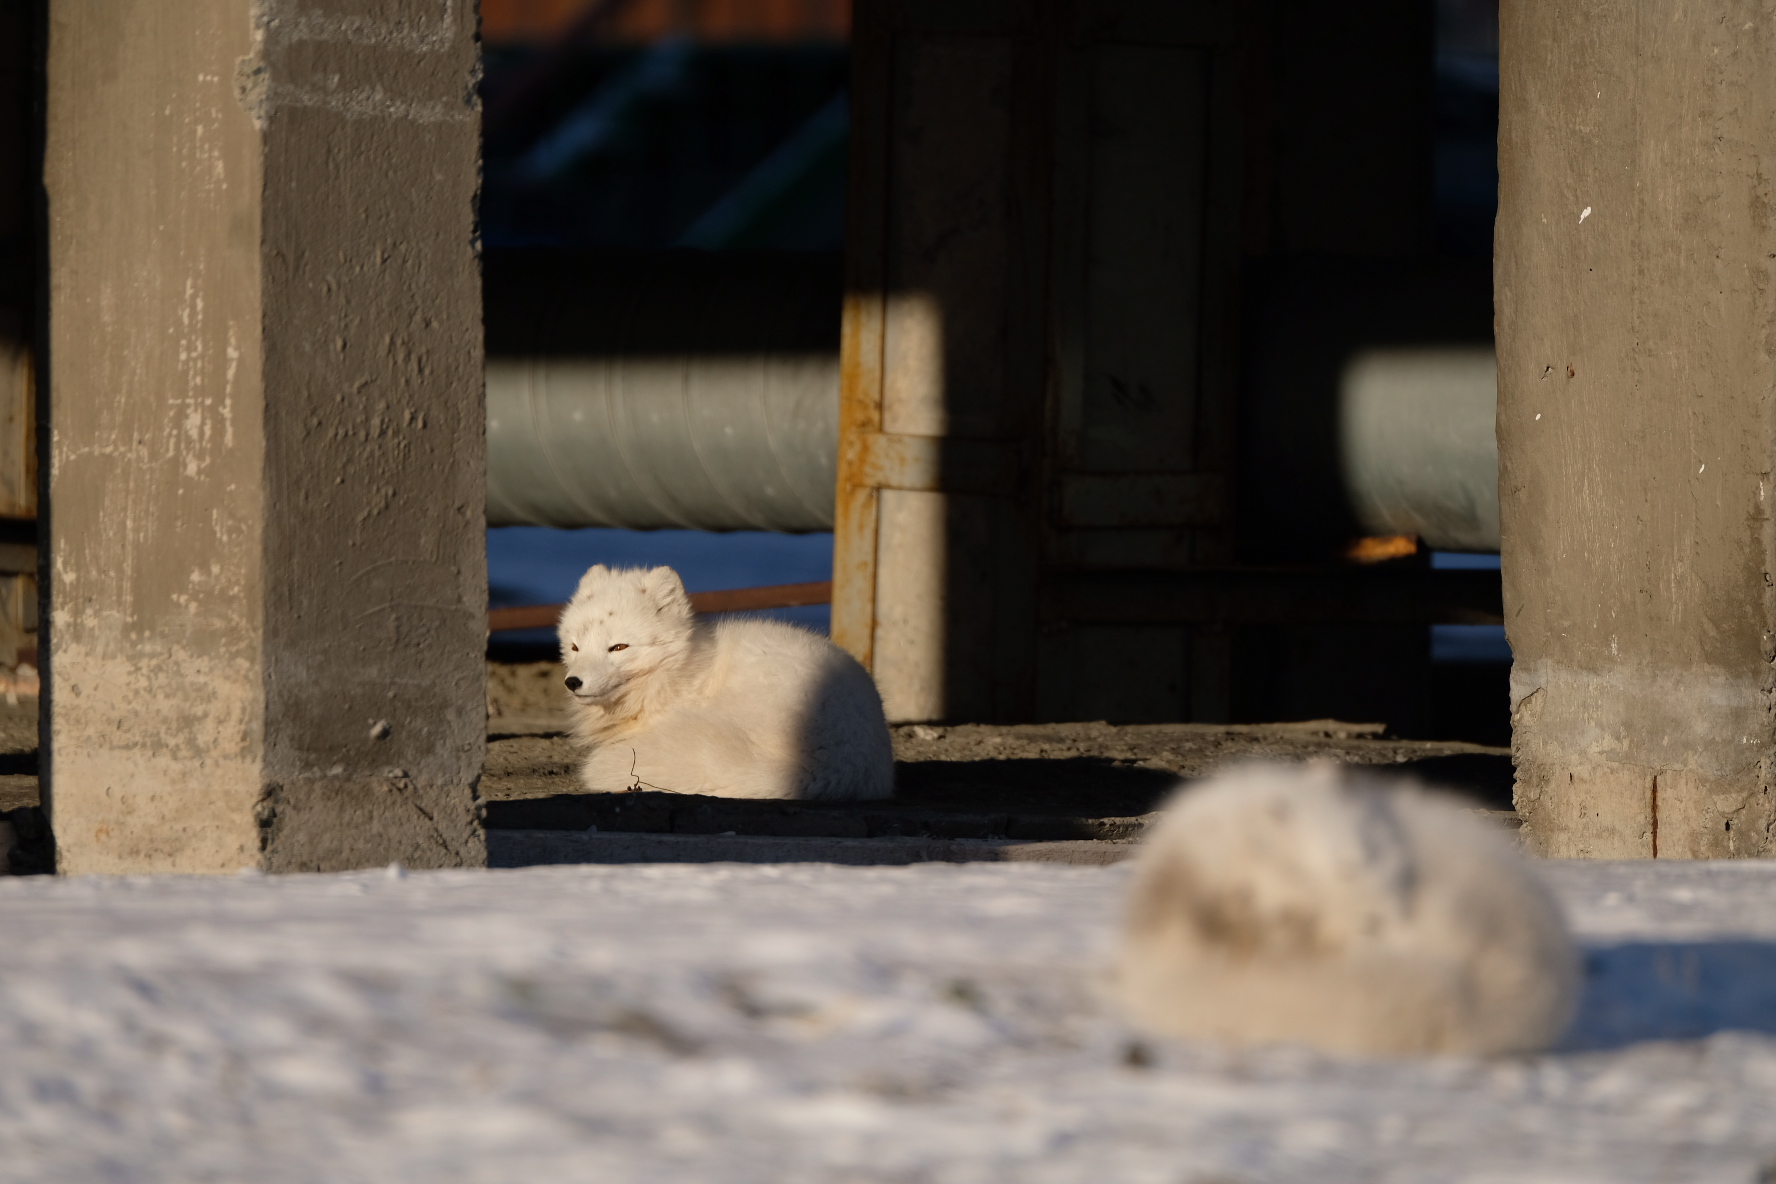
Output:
x,y
739,707
1309,904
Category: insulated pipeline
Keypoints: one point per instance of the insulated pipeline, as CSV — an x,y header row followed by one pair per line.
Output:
x,y
700,390
1419,444
690,389
750,443
699,442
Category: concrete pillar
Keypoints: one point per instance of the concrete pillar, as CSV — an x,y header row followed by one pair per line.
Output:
x,y
267,609
1636,318
934,570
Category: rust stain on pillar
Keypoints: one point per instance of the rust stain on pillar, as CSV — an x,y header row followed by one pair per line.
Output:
x,y
1636,317
856,508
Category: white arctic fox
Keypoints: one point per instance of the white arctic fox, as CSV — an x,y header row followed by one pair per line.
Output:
x,y
1308,904
739,708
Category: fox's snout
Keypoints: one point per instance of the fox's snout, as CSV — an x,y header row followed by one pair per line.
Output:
x,y
593,682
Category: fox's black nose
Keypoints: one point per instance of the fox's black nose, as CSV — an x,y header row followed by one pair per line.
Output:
x,y
573,684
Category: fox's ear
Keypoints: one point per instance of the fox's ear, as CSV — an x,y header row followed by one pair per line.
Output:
x,y
594,575
665,591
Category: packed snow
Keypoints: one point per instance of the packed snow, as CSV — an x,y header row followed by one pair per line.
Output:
x,y
790,1023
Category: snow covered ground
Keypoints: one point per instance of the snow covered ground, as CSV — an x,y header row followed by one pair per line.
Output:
x,y
794,1023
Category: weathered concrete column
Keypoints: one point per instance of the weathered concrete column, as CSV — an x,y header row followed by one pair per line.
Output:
x,y
1636,306
267,609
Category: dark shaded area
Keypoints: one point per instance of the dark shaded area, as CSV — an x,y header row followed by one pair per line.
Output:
x,y
1468,701
1642,991
1081,786
1400,591
518,648
1312,670
1370,671
955,800
1339,122
637,303
21,25
1484,777
33,848
627,146
1467,153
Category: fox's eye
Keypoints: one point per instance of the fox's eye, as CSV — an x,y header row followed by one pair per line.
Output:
x,y
621,645
574,648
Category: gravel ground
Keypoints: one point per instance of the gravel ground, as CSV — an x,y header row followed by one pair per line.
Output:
x,y
811,1023
1086,769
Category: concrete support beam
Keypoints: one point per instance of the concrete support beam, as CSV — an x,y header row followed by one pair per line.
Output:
x,y
267,609
1636,317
